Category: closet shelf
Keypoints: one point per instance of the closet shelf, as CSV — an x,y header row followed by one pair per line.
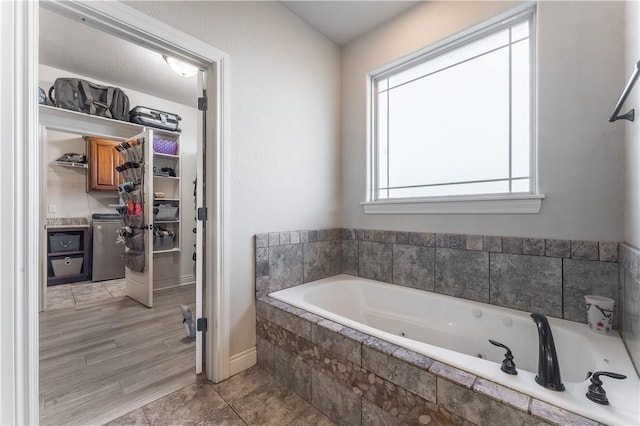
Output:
x,y
64,120
69,164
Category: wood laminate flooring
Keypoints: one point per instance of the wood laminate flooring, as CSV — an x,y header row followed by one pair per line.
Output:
x,y
102,359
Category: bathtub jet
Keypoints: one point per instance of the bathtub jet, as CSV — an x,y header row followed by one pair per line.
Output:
x,y
548,367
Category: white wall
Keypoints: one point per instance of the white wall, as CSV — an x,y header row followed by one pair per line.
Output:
x,y
285,146
632,134
580,75
66,187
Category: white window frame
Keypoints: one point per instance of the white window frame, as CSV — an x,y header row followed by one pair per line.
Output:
x,y
490,203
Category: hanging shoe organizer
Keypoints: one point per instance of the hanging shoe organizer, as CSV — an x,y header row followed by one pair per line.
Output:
x,y
131,194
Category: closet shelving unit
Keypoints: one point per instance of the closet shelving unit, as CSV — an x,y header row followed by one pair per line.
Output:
x,y
139,285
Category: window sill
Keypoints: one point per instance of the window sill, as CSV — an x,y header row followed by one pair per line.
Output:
x,y
517,204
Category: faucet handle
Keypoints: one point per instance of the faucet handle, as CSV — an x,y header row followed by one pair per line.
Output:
x,y
508,366
596,392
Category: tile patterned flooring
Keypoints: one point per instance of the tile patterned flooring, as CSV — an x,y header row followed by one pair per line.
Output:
x,y
69,295
252,397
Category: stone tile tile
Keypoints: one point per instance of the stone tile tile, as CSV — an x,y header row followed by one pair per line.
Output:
x,y
116,288
312,417
379,345
350,257
492,244
413,358
285,238
458,241
274,239
557,248
359,234
294,237
452,374
585,250
462,273
136,417
285,266
375,260
348,234
369,235
582,277
189,405
262,283
557,415
423,239
474,242
313,236
87,293
262,262
294,373
273,407
317,260
442,240
503,394
512,245
251,381
533,246
413,266
477,408
223,417
322,234
378,236
372,415
262,240
403,374
335,401
60,296
327,335
608,251
402,237
390,236
528,283
266,354
304,236
336,257
631,317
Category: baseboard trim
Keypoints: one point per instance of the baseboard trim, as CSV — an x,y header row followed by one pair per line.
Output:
x,y
243,360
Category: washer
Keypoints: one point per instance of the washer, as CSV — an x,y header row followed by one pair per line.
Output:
x,y
107,263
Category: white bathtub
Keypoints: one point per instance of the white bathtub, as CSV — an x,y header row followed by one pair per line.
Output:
x,y
456,332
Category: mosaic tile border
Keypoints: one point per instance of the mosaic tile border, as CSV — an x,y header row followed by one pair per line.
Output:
x,y
358,379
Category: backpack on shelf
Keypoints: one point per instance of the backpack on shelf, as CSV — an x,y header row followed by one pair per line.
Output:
x,y
85,96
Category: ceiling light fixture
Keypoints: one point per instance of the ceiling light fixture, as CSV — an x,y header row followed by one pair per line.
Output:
x,y
179,67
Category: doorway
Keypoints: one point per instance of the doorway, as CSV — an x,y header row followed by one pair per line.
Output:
x,y
126,23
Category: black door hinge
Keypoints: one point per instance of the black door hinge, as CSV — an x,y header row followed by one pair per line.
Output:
x,y
202,104
202,214
201,324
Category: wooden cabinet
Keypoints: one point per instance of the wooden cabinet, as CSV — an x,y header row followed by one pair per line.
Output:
x,y
103,159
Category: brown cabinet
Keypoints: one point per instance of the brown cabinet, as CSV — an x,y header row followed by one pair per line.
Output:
x,y
103,159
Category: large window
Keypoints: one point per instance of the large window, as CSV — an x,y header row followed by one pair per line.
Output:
x,y
456,121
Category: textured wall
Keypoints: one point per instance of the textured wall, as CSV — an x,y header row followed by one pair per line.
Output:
x,y
285,146
580,74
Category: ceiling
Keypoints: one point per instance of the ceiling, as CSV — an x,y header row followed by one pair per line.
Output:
x,y
107,58
344,21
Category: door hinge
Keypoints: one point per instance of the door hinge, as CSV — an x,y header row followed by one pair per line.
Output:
x,y
202,104
202,214
201,324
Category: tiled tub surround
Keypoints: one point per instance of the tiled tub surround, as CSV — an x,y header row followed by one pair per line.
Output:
x,y
530,274
630,300
454,331
358,379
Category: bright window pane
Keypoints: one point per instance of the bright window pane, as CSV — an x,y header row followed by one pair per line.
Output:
x,y
457,123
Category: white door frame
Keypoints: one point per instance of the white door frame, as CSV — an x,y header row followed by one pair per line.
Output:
x,y
21,164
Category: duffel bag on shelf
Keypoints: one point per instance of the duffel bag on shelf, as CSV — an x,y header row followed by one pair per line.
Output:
x,y
153,118
90,98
